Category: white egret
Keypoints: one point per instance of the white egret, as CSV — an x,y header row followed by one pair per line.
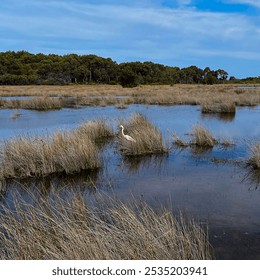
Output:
x,y
127,137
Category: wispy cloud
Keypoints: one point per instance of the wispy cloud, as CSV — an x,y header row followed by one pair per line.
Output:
x,y
184,2
255,3
138,31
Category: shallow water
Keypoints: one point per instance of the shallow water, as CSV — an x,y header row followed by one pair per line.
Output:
x,y
222,195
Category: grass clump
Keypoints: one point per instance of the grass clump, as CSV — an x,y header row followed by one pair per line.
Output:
x,y
201,136
148,138
254,160
64,229
96,130
223,108
34,156
69,152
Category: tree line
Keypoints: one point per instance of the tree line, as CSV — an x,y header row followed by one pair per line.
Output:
x,y
24,68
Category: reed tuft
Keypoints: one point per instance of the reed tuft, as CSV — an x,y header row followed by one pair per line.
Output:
x,y
223,108
148,138
254,160
201,136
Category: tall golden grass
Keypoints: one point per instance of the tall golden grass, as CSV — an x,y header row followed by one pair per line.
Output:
x,y
68,151
148,138
70,229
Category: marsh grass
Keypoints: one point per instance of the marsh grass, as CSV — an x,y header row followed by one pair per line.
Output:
x,y
70,229
69,152
214,97
36,103
41,103
202,141
121,105
62,152
201,136
148,138
254,159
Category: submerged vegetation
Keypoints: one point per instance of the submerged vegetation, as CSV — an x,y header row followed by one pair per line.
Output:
x,y
148,138
70,229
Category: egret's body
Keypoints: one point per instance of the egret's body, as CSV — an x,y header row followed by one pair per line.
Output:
x,y
127,137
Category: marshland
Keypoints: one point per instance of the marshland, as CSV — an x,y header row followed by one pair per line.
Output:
x,y
189,183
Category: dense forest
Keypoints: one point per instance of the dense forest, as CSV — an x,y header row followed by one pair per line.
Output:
x,y
24,68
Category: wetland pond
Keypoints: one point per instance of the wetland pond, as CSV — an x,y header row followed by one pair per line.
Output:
x,y
212,186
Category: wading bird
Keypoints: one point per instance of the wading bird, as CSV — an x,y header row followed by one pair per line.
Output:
x,y
127,137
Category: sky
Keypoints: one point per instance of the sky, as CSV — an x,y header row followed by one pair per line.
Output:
x,y
220,34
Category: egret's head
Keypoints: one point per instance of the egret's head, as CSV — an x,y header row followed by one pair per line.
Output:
x,y
121,126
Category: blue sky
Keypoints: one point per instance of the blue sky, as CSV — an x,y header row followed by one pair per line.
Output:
x,y
217,33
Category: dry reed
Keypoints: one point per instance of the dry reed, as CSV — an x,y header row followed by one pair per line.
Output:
x,y
148,138
63,229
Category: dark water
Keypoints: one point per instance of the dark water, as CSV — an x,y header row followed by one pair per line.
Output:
x,y
220,193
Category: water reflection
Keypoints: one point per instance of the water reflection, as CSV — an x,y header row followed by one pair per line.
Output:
x,y
225,117
44,187
200,150
135,164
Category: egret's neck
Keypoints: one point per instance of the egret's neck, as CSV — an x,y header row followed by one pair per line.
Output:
x,y
123,131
